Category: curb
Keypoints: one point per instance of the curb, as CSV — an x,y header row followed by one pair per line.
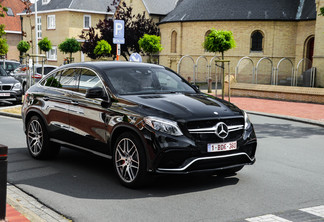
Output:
x,y
291,118
10,115
32,209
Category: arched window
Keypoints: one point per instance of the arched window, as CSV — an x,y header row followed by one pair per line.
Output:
x,y
256,41
174,42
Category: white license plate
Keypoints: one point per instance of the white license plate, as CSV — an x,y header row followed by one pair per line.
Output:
x,y
4,94
219,147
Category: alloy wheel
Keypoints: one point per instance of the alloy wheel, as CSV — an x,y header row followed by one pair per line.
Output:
x,y
127,160
35,137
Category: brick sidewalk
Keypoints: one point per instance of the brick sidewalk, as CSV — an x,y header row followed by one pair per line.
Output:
x,y
12,215
295,109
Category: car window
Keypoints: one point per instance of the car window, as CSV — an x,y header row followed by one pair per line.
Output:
x,y
127,81
3,72
88,79
53,80
69,79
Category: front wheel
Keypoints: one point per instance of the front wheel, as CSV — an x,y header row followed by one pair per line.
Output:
x,y
38,143
129,160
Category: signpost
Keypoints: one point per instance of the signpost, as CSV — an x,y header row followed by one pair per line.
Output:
x,y
119,30
135,57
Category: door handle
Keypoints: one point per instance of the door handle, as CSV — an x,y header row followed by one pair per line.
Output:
x,y
74,102
46,98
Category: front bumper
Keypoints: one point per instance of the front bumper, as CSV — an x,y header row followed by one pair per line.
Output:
x,y
189,156
10,96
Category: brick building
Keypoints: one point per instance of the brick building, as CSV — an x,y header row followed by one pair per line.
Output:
x,y
12,24
61,19
274,29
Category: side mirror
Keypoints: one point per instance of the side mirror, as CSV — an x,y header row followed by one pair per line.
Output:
x,y
98,92
95,92
196,87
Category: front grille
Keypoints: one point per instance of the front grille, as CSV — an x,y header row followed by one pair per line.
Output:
x,y
204,131
5,87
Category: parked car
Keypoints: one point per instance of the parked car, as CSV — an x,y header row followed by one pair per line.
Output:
x,y
9,65
20,73
10,88
144,117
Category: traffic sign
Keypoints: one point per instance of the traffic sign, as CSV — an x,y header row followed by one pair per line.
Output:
x,y
119,29
119,40
135,57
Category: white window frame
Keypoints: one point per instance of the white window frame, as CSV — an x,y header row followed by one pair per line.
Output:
x,y
45,2
84,21
39,27
51,22
52,54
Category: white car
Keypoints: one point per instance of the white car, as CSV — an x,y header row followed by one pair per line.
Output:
x,y
21,74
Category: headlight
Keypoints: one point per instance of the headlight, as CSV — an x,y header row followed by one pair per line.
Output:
x,y
163,125
247,122
17,86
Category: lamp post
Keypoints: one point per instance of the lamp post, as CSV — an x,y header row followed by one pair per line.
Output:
x,y
36,31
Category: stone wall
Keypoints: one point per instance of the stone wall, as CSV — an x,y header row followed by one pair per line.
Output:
x,y
281,39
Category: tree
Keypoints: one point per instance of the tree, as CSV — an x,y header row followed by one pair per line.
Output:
x,y
70,45
102,49
45,44
135,27
23,46
28,12
219,41
4,47
150,44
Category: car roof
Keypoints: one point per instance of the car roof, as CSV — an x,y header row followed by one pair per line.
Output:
x,y
111,64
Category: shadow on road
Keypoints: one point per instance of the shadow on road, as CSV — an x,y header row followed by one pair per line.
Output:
x,y
287,131
84,175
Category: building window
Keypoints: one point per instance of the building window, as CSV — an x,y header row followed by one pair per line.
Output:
x,y
52,54
51,22
10,12
45,2
174,42
86,21
39,27
257,41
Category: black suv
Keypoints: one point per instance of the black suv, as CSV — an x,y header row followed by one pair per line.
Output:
x,y
144,117
10,88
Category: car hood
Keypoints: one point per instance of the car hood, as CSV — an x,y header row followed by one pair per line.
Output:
x,y
181,107
7,80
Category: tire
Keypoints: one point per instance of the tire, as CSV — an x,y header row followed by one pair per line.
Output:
x,y
229,171
129,160
38,143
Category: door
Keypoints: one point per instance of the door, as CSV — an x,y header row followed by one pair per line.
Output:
x,y
310,51
88,119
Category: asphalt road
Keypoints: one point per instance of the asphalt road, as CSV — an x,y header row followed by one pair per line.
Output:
x,y
288,174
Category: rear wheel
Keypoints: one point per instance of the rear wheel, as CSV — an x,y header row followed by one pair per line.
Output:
x,y
129,160
38,143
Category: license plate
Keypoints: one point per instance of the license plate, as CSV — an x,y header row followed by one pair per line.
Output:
x,y
4,94
219,147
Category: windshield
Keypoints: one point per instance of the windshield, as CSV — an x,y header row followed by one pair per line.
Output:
x,y
3,72
129,81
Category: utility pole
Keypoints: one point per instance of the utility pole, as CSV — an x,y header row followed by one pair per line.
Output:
x,y
36,31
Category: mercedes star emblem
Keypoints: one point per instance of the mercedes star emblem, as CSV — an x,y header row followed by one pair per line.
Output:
x,y
221,130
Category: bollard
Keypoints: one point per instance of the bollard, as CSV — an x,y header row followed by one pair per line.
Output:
x,y
3,181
